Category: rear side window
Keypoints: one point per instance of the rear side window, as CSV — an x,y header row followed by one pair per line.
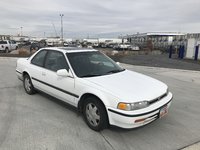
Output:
x,y
39,58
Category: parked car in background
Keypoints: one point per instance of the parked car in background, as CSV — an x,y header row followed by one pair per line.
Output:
x,y
104,92
133,48
89,46
95,45
110,45
124,46
65,44
37,45
102,45
116,46
73,45
50,43
8,45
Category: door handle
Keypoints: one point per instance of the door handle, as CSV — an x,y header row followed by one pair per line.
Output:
x,y
43,73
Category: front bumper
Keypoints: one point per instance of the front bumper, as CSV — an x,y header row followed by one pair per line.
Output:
x,y
137,118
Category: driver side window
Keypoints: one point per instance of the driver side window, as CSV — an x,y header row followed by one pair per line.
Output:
x,y
55,61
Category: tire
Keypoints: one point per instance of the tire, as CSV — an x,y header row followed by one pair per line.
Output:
x,y
95,114
28,86
6,50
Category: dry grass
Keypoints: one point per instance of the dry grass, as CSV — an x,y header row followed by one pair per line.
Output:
x,y
23,52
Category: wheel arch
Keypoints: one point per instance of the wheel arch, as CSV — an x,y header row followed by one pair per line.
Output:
x,y
25,73
84,96
81,104
31,90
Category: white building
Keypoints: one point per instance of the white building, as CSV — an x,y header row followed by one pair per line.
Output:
x,y
191,48
102,40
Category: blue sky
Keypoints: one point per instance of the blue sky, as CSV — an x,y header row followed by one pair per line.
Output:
x,y
92,18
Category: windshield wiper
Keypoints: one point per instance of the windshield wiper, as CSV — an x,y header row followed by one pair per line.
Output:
x,y
90,75
115,71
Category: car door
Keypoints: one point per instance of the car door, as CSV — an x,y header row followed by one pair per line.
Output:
x,y
36,69
58,86
11,45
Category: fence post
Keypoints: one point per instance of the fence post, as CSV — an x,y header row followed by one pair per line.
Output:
x,y
196,52
170,51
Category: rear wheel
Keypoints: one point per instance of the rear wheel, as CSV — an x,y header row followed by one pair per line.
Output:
x,y
28,86
95,114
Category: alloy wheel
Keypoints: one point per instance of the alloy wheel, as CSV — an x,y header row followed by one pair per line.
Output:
x,y
92,114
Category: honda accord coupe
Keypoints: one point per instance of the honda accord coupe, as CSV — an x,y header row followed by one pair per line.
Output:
x,y
104,92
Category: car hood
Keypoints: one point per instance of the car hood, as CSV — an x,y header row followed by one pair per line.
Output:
x,y
130,86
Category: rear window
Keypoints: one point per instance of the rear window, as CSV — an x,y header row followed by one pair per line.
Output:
x,y
3,42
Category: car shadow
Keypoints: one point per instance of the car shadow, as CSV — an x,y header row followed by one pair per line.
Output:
x,y
60,102
123,130
78,113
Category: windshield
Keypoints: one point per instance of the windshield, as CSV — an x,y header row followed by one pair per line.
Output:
x,y
93,63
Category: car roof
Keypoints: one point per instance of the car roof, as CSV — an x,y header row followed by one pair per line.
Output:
x,y
70,49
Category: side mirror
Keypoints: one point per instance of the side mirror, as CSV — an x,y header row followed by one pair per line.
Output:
x,y
64,73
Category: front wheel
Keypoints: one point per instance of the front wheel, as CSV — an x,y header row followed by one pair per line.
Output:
x,y
28,86
95,114
6,50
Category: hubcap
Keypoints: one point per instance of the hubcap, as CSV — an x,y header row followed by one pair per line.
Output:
x,y
92,114
27,84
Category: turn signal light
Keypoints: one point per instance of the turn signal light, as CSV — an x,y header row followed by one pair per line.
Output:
x,y
140,120
122,106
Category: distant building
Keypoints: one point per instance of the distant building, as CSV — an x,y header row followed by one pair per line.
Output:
x,y
20,38
103,40
156,40
163,40
193,45
5,37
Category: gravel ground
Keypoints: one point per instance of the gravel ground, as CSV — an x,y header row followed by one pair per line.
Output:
x,y
158,61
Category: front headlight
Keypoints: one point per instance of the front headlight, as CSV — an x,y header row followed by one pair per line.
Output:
x,y
133,106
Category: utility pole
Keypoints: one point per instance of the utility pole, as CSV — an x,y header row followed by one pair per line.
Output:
x,y
21,30
61,16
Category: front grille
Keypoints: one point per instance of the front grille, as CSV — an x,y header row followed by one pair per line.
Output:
x,y
157,99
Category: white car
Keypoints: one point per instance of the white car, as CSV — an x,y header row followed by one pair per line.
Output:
x,y
103,91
